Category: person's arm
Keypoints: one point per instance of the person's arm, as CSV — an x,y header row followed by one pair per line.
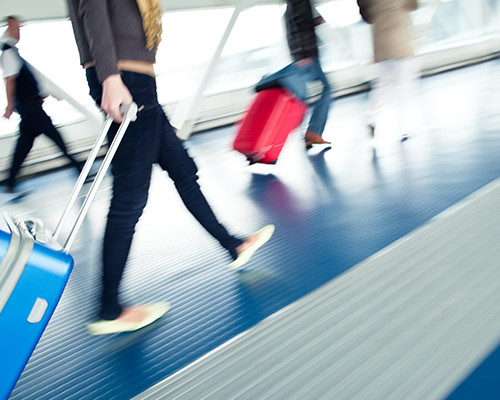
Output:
x,y
95,18
11,64
10,90
96,21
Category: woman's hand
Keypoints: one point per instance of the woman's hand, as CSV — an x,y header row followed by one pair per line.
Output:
x,y
114,94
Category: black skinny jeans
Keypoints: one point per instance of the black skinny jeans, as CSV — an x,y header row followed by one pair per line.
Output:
x,y
150,139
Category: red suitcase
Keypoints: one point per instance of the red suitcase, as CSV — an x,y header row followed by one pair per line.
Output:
x,y
272,116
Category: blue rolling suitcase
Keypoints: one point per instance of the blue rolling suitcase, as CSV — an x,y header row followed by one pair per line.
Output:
x,y
34,269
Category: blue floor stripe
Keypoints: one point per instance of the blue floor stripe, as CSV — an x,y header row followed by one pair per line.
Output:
x,y
332,209
483,383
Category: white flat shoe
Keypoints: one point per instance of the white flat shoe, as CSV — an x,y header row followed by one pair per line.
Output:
x,y
264,235
153,312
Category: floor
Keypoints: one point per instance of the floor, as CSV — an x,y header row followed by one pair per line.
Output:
x,y
409,322
333,209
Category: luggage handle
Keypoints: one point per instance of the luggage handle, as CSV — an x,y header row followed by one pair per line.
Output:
x,y
129,112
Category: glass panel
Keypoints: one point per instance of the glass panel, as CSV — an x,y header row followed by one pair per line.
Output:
x,y
452,23
344,39
189,40
255,47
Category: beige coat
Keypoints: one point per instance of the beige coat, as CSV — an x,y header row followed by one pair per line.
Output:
x,y
392,28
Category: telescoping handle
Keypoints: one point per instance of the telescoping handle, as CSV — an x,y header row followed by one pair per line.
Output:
x,y
129,112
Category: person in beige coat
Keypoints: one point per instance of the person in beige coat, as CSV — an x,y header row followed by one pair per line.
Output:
x,y
397,70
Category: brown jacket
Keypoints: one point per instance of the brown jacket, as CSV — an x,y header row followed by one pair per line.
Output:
x,y
392,28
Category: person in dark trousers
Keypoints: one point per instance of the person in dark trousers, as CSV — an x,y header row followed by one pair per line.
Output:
x,y
117,41
23,96
302,42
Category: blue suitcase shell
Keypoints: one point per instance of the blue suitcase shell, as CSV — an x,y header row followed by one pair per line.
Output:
x,y
32,279
34,273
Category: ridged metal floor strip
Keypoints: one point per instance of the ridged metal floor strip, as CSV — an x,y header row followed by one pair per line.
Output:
x,y
409,322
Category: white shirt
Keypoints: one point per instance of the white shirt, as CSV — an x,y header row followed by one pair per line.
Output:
x,y
10,61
